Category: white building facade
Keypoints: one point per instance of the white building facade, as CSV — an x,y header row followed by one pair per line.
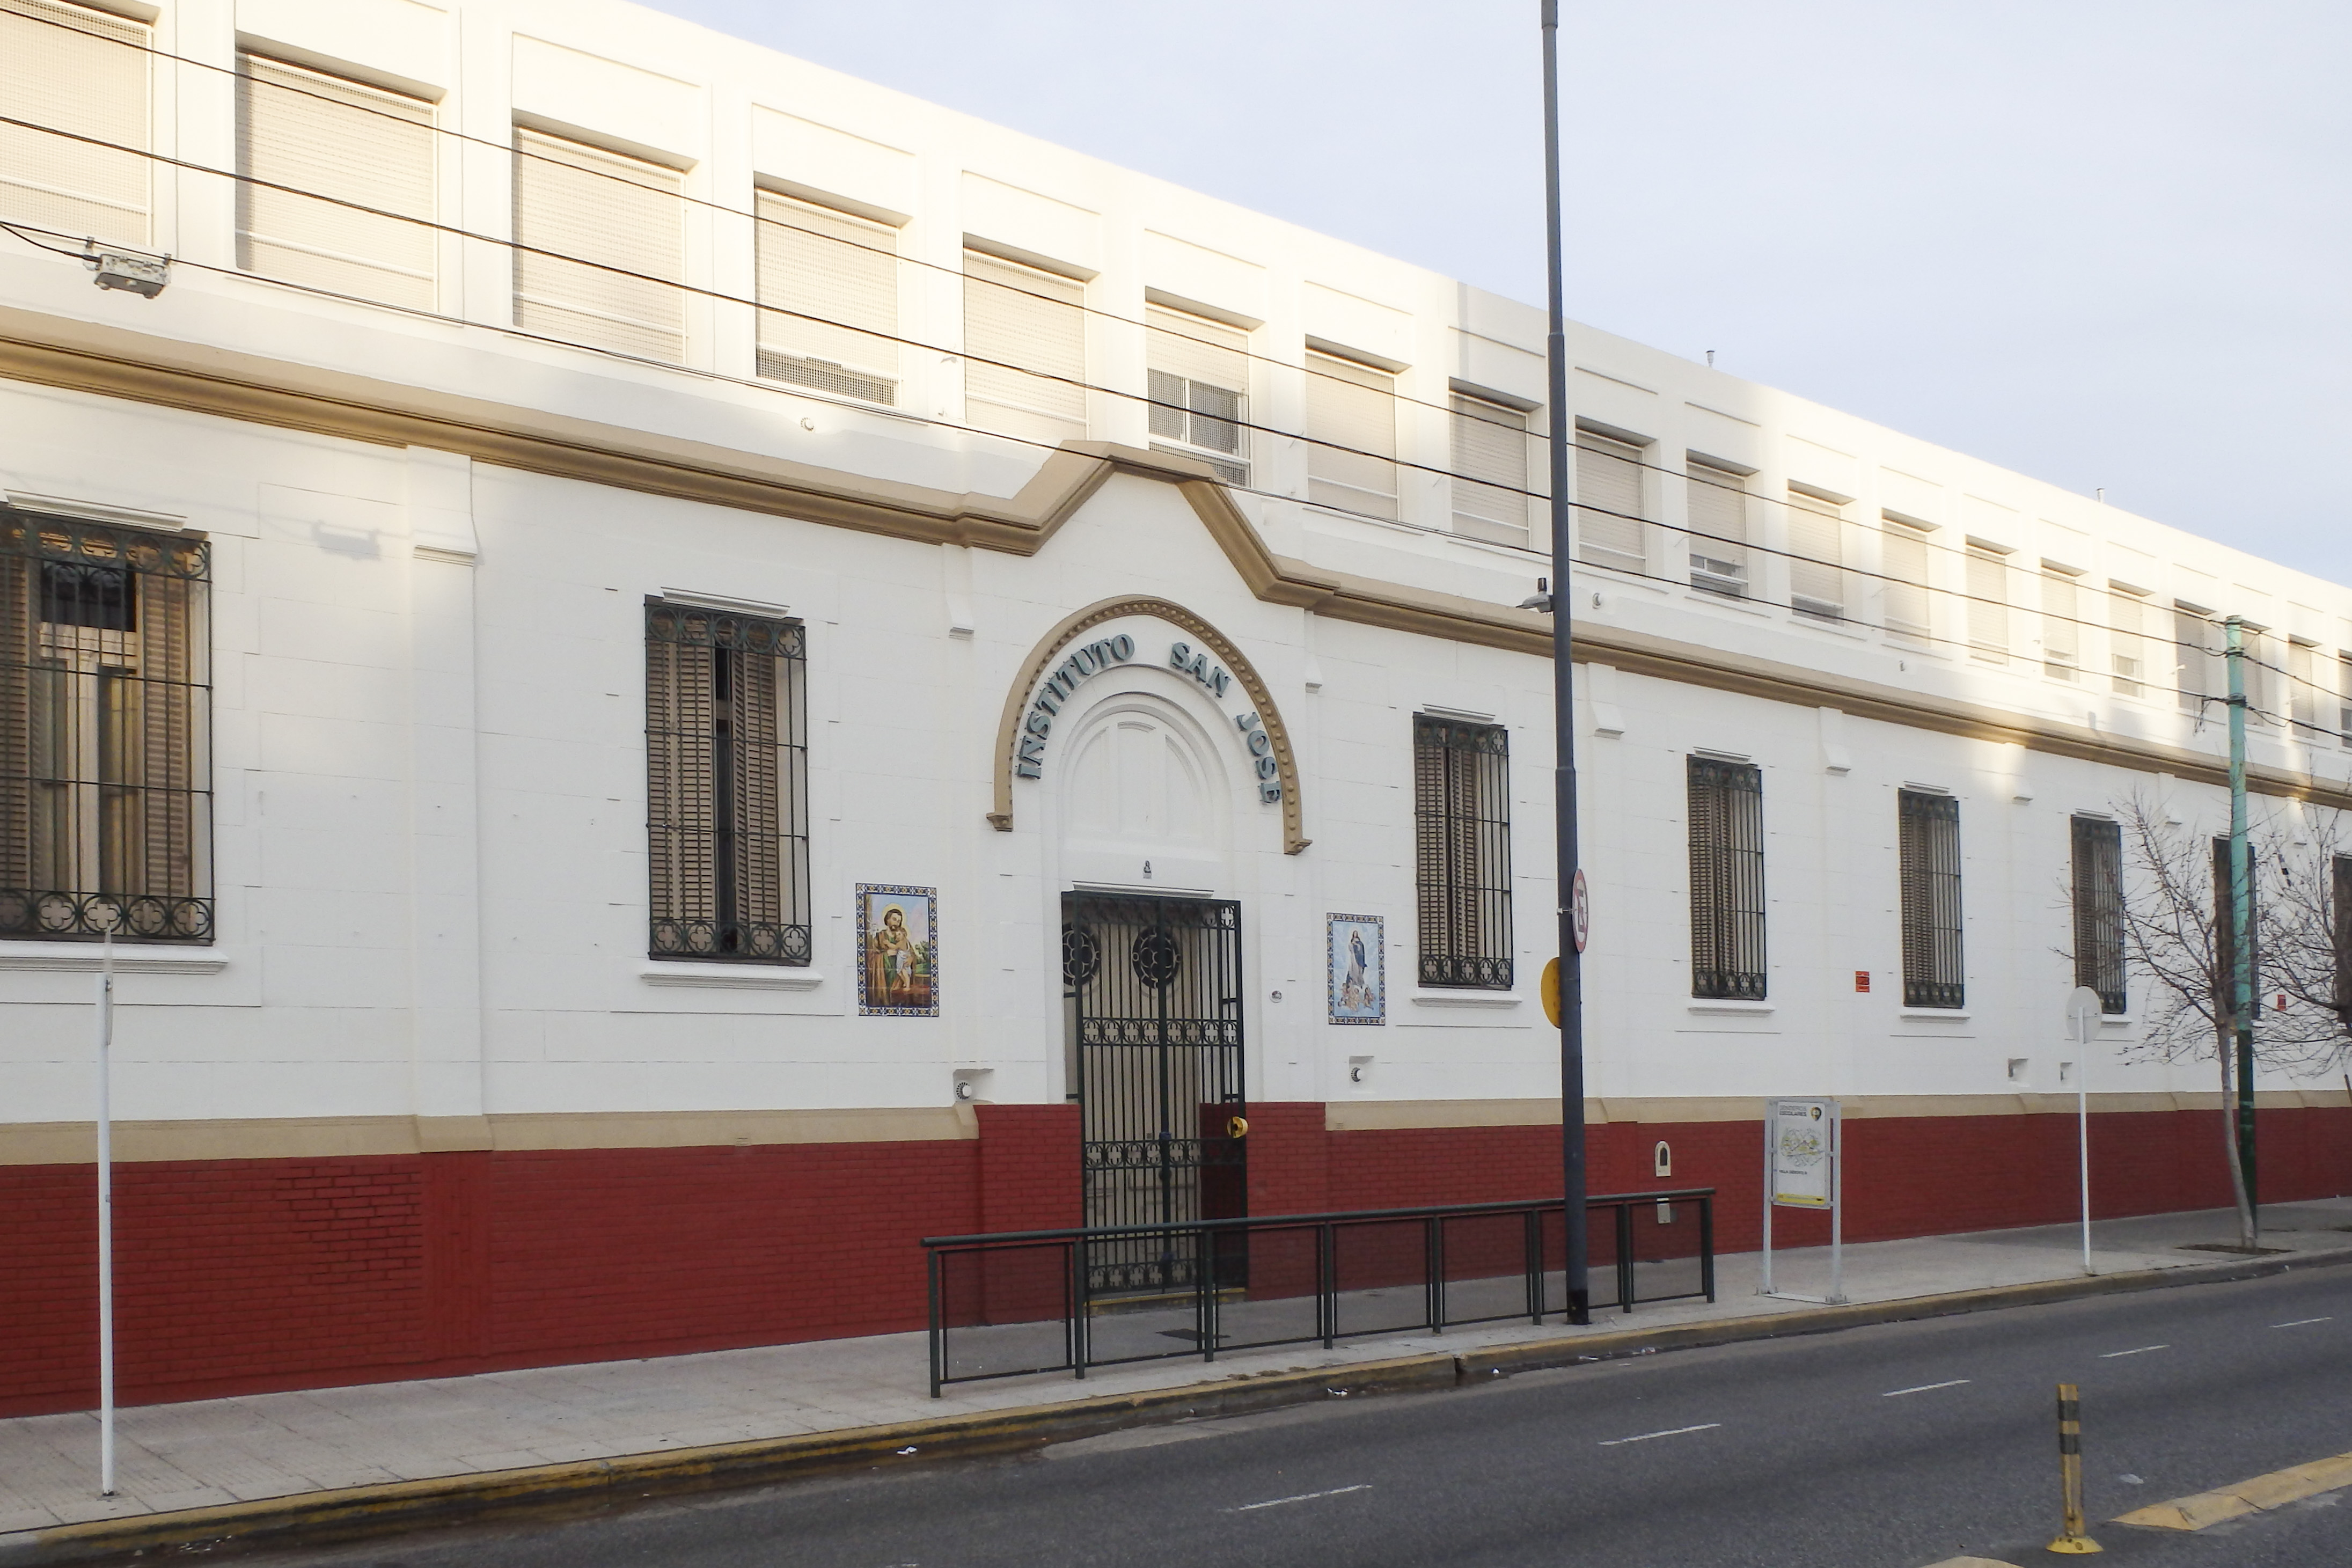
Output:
x,y
644,638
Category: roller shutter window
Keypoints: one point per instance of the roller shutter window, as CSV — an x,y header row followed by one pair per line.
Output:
x,y
1490,470
2126,641
1727,872
1933,964
2062,633
2260,673
1816,557
1608,525
1717,506
78,73
307,132
1988,605
1351,435
726,786
828,299
1462,852
2098,898
1197,372
105,732
1902,553
2194,639
601,257
2303,689
2344,697
1024,340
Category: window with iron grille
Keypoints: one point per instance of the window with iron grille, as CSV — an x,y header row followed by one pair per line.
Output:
x,y
2225,926
726,785
1935,973
2340,909
1726,868
105,732
2099,909
1461,841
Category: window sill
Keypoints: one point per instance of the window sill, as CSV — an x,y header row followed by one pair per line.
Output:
x,y
731,976
82,958
1465,998
1951,1013
1730,1007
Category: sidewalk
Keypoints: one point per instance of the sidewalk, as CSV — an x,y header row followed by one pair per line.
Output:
x,y
226,1451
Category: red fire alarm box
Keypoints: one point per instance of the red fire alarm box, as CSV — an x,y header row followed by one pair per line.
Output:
x,y
1862,980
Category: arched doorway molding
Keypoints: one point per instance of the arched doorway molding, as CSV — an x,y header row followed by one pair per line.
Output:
x,y
1051,648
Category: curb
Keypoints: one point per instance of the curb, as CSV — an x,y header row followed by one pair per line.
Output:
x,y
589,1486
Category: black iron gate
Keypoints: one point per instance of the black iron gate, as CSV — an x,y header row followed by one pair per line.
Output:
x,y
1156,988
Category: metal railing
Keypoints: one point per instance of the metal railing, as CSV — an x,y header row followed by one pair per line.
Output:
x,y
1019,1303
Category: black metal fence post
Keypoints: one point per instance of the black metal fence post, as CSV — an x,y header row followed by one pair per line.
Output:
x,y
1706,1245
1625,1256
938,1335
1327,1282
1432,1263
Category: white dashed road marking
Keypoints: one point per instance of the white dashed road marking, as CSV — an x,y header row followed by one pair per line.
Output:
x,y
1670,1432
1302,1496
2143,1349
2299,1321
1923,1388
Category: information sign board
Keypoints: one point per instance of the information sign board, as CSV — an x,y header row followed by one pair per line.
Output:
x,y
1805,1141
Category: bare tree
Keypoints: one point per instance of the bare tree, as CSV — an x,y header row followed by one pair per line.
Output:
x,y
2177,935
2309,964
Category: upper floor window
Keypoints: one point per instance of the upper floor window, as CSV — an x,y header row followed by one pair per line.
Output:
x,y
1461,851
1351,435
2344,697
2126,645
105,732
1198,391
1609,530
1024,344
2196,662
2098,878
1987,603
2303,688
1489,449
1727,871
80,74
1718,529
1935,970
1903,557
828,286
623,220
726,785
2062,629
1816,555
300,131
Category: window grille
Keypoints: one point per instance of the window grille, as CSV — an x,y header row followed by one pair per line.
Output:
x,y
829,287
1199,382
625,216
359,144
2062,635
1718,530
2225,927
1351,435
726,785
1988,605
2099,909
1490,468
1609,527
1727,866
1816,557
1461,841
79,73
1025,334
2127,646
105,732
1904,556
2340,928
1934,972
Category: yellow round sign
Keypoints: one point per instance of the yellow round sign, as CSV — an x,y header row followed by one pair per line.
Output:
x,y
1551,992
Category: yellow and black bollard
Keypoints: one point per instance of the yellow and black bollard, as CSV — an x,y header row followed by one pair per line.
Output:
x,y
2069,1472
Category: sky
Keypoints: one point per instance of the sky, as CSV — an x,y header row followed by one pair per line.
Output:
x,y
2105,243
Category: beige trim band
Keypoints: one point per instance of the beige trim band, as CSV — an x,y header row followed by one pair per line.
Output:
x,y
1032,670
111,362
1389,1115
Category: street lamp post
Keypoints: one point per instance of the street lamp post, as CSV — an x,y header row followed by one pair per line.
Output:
x,y
1563,698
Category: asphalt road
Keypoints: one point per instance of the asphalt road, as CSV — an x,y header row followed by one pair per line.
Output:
x,y
1879,1448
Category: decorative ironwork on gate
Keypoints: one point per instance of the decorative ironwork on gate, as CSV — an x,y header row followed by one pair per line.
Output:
x,y
1156,984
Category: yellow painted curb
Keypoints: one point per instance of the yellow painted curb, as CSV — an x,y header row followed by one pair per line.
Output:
x,y
2259,1495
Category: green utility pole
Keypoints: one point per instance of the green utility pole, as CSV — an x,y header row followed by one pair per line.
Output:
x,y
2241,907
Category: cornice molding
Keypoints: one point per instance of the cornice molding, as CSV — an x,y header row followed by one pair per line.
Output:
x,y
111,362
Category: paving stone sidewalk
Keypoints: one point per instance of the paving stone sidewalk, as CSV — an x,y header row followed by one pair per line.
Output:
x,y
275,1444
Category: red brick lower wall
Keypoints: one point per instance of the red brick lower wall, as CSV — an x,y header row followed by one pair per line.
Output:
x,y
242,1276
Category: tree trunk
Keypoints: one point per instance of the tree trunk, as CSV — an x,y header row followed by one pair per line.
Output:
x,y
2223,1043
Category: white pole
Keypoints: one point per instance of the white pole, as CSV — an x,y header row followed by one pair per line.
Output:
x,y
1837,1206
105,1219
